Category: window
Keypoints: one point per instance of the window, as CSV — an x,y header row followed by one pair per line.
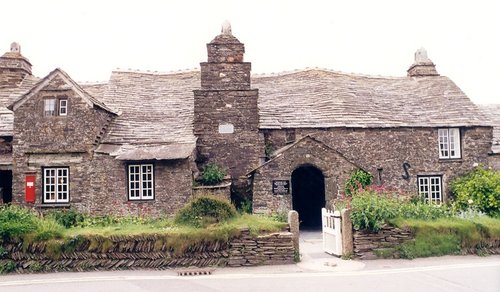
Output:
x,y
63,107
449,143
56,185
50,107
140,182
429,187
56,107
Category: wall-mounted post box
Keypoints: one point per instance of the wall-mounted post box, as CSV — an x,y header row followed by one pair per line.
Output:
x,y
30,189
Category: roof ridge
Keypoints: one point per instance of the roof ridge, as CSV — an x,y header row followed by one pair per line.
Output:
x,y
137,71
306,69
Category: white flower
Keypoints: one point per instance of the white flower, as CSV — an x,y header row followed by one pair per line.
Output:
x,y
470,201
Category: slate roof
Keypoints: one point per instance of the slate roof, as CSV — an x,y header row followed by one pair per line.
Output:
x,y
316,98
155,107
492,111
71,85
7,96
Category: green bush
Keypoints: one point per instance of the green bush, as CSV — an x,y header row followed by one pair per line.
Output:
x,y
68,218
16,221
212,175
358,180
448,235
375,206
7,266
370,210
204,211
479,189
47,229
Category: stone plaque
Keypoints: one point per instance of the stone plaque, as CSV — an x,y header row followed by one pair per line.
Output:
x,y
281,187
226,129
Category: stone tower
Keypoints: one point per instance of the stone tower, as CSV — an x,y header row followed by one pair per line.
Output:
x,y
226,116
13,67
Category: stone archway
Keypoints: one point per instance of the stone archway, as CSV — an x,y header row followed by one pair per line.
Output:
x,y
308,195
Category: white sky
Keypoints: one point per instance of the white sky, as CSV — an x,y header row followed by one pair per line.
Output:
x,y
90,38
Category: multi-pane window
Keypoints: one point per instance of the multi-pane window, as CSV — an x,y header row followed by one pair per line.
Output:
x,y
50,107
55,106
140,182
449,143
430,188
63,107
56,185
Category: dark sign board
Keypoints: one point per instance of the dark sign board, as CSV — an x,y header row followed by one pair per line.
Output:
x,y
281,187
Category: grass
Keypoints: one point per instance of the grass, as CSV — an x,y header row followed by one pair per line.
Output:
x,y
100,232
447,236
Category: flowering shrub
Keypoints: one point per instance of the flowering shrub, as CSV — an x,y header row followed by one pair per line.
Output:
x,y
376,205
358,180
479,189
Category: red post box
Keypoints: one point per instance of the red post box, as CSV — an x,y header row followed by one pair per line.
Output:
x,y
30,189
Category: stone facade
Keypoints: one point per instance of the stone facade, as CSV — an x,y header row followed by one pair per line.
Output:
x,y
326,124
389,148
308,151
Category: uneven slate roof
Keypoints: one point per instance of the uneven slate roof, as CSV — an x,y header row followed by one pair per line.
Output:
x,y
149,152
315,98
71,84
7,96
492,111
155,107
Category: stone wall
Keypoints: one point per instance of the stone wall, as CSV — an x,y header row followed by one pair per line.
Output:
x,y
334,167
389,148
236,152
494,161
149,251
369,245
172,186
222,191
64,141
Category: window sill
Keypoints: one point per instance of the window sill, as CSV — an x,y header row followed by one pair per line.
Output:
x,y
141,201
450,160
54,205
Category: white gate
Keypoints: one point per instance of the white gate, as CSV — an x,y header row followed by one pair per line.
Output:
x,y
332,236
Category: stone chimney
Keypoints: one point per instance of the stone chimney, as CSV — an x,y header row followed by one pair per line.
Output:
x,y
13,67
226,113
225,68
423,66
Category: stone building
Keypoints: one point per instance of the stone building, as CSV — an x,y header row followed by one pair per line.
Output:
x,y
135,143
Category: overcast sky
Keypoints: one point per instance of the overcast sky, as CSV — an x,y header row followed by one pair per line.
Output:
x,y
90,38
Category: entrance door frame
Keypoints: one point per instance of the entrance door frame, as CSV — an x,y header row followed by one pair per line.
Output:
x,y
319,202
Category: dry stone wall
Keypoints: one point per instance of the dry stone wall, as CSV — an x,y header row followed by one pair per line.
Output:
x,y
148,252
368,245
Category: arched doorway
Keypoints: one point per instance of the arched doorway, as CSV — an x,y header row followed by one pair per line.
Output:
x,y
308,195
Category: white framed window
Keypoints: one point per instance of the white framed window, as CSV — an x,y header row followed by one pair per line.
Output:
x,y
55,106
430,188
56,185
50,107
63,107
449,143
140,182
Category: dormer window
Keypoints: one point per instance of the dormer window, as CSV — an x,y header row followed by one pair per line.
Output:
x,y
56,107
63,107
50,107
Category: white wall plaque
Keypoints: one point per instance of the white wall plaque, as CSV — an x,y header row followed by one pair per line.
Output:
x,y
226,129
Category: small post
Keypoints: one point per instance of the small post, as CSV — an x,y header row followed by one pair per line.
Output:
x,y
347,239
293,222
